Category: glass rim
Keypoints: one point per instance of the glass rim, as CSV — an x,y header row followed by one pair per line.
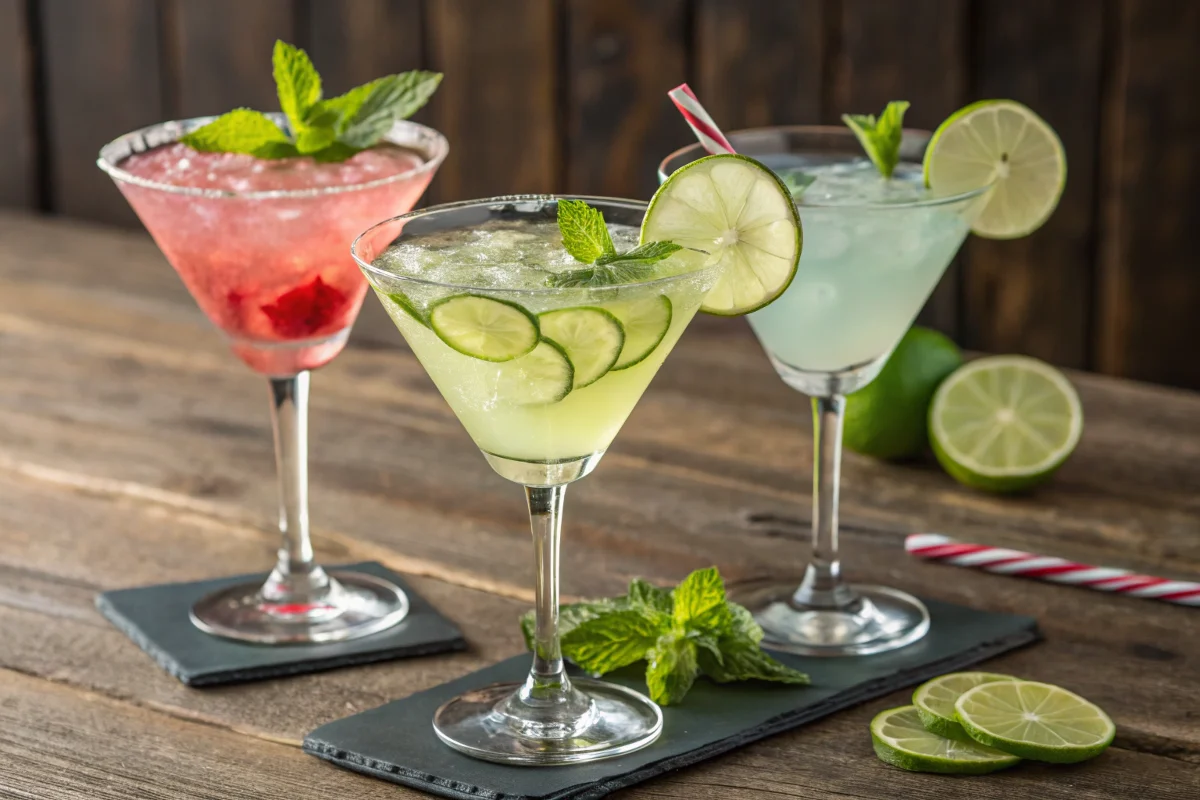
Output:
x,y
833,130
591,200
106,162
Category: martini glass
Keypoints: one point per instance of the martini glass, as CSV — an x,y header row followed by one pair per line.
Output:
x,y
466,284
261,246
873,252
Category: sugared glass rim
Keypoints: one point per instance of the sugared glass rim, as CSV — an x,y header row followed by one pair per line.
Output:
x,y
433,152
828,130
632,205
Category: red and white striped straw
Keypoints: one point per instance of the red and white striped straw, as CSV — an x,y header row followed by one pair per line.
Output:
x,y
1048,568
706,130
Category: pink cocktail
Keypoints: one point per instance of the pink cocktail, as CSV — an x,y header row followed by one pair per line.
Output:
x,y
264,248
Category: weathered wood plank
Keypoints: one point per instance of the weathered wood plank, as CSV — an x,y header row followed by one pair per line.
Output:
x,y
622,57
102,79
879,59
762,63
224,53
18,161
1032,295
500,106
57,743
1147,324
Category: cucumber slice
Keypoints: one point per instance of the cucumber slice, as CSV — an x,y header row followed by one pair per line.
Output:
x,y
542,376
592,338
405,304
484,327
646,321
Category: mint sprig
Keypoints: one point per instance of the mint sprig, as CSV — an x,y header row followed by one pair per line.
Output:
x,y
330,129
880,137
681,634
585,236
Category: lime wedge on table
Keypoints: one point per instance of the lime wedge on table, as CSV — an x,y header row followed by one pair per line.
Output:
x,y
1004,144
1004,423
1037,721
484,327
935,701
901,740
738,212
646,322
542,376
591,337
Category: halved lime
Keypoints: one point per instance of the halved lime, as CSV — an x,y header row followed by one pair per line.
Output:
x,y
542,376
935,701
591,337
1037,721
646,321
1003,144
739,213
901,740
1004,423
484,327
405,304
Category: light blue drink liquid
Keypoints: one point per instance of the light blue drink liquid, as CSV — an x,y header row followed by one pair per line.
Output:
x,y
873,251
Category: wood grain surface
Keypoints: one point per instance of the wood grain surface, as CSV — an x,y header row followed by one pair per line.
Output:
x,y
134,449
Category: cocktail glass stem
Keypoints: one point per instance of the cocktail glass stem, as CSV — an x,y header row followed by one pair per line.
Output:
x,y
296,582
547,705
822,586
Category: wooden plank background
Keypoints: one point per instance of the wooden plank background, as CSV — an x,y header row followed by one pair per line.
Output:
x,y
568,95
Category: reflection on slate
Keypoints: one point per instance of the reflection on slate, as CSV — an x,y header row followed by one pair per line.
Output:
x,y
156,619
396,742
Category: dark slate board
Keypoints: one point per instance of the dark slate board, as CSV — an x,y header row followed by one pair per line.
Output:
x,y
156,619
396,742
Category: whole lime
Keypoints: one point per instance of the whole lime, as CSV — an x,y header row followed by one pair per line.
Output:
x,y
888,418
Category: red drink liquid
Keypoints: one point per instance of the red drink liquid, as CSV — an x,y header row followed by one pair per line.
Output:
x,y
273,272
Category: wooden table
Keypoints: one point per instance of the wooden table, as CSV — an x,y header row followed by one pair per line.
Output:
x,y
134,449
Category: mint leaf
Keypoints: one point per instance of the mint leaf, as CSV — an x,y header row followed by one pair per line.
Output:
x,y
743,660
611,641
743,624
672,669
648,597
570,615
642,255
584,234
880,138
238,131
796,181
296,83
389,99
335,152
313,140
700,602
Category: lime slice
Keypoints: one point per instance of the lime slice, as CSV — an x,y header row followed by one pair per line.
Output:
x,y
901,740
484,327
935,701
405,304
1034,720
737,211
646,321
542,376
1002,143
591,337
1004,423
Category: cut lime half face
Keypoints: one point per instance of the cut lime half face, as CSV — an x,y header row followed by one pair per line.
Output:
x,y
542,376
1034,720
591,337
901,740
1002,144
484,327
740,214
935,701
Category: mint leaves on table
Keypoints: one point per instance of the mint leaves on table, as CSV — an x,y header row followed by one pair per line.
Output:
x,y
880,137
330,129
681,634
585,236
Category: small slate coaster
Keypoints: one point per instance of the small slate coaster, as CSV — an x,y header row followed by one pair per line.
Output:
x,y
396,742
156,619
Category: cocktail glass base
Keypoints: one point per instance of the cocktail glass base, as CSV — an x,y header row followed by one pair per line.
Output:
x,y
874,620
354,604
614,721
